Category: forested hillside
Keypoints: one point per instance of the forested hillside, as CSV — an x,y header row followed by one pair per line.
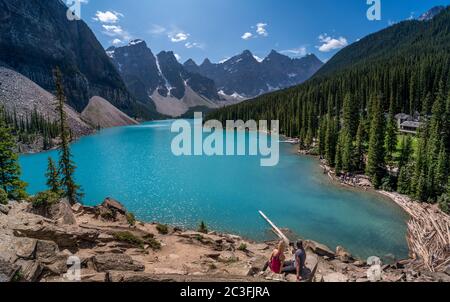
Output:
x,y
346,111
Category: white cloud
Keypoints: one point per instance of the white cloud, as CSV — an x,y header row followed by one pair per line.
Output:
x,y
110,17
116,31
178,37
194,45
116,41
177,56
329,43
261,29
298,52
247,36
157,30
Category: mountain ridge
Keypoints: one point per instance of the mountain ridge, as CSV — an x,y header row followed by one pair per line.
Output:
x,y
86,69
161,79
248,77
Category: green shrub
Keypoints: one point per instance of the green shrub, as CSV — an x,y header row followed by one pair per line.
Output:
x,y
162,229
129,238
444,203
18,276
242,247
44,199
137,241
387,184
198,237
131,219
107,214
18,194
202,228
3,197
153,243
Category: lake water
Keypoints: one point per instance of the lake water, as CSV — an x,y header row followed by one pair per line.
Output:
x,y
135,165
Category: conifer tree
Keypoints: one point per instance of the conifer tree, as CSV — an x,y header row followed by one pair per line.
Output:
x,y
350,115
420,165
406,151
338,156
347,151
359,146
404,180
9,166
375,157
53,181
390,140
66,165
330,138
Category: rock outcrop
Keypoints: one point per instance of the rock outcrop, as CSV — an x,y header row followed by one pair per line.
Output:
x,y
100,113
37,37
20,95
45,246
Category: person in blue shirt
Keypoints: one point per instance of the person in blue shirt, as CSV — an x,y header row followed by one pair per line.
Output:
x,y
297,265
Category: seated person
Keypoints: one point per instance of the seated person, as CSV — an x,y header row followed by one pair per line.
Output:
x,y
297,265
276,259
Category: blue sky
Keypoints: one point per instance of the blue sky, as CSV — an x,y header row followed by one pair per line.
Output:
x,y
219,29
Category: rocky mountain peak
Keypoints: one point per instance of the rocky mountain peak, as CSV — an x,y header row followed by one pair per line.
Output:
x,y
433,12
206,62
190,62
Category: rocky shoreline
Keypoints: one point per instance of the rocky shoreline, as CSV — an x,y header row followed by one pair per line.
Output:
x,y
45,244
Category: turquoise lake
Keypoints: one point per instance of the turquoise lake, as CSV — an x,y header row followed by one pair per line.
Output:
x,y
135,165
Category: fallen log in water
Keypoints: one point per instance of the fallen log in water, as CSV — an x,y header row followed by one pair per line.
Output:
x,y
428,233
275,228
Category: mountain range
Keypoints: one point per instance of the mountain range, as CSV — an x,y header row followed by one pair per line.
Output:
x,y
245,76
404,65
161,79
175,88
36,36
131,78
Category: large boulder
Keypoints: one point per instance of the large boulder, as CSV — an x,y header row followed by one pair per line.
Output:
x,y
46,251
114,205
116,262
7,248
319,249
30,270
343,255
7,270
111,210
4,209
25,248
60,211
70,238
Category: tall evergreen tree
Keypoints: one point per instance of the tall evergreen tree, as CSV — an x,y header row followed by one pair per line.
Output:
x,y
359,146
53,181
406,151
330,138
9,166
347,151
404,180
375,157
420,165
390,140
350,115
66,165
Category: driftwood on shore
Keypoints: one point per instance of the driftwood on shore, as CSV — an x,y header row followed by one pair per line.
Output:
x,y
428,233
